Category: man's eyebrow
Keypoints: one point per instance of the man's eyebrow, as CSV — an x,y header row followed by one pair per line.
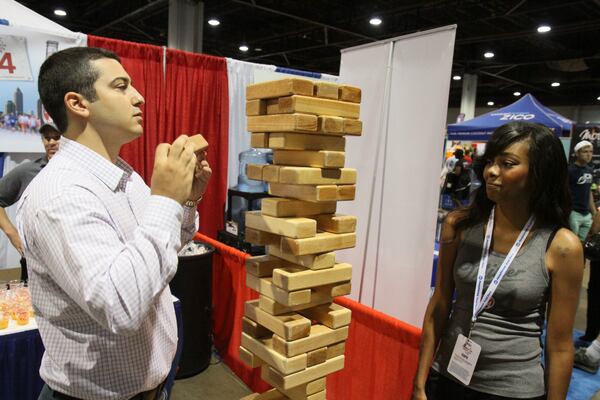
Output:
x,y
122,78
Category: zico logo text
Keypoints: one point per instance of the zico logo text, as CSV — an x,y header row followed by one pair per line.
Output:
x,y
514,116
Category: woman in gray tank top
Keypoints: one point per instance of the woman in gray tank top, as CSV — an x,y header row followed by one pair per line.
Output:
x,y
525,271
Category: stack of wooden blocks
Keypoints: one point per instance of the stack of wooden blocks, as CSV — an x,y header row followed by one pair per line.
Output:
x,y
294,332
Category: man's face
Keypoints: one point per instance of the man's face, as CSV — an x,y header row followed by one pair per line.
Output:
x,y
50,139
116,113
585,154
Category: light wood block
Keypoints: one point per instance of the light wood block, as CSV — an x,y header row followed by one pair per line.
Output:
x,y
309,374
330,125
335,350
271,173
262,266
278,88
254,329
318,396
321,243
263,348
320,193
290,326
292,278
336,223
256,107
318,106
317,356
265,287
331,315
317,176
320,336
311,261
259,140
255,171
299,141
282,123
327,90
345,192
334,289
273,307
252,360
293,227
300,392
281,207
303,158
272,394
261,238
350,93
352,127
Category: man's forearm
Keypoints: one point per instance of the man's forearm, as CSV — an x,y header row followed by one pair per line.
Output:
x,y
5,224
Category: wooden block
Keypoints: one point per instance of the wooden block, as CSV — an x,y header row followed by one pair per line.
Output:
x,y
254,329
281,207
318,396
255,171
321,243
320,336
261,238
272,106
350,93
345,192
334,289
304,376
336,223
272,394
262,266
300,392
273,307
317,176
292,278
327,90
312,261
256,107
331,315
318,106
303,158
289,326
252,360
317,356
293,227
263,348
320,193
259,140
265,287
352,127
330,125
278,88
271,173
282,123
299,141
335,350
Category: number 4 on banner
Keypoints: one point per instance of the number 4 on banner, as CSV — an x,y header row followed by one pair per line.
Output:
x,y
6,63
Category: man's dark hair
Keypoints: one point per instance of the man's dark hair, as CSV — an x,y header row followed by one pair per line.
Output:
x,y
66,71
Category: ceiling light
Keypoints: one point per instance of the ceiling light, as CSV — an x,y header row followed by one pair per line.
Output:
x,y
490,103
457,77
516,93
375,21
488,54
555,84
598,98
544,28
243,48
60,13
258,49
214,22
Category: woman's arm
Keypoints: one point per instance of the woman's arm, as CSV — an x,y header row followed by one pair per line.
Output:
x,y
565,263
440,303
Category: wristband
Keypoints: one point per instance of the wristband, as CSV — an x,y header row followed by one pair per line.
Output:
x,y
192,203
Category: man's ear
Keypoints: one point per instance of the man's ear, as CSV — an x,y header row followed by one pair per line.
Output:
x,y
76,104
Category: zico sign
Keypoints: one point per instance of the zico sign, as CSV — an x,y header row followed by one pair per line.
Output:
x,y
514,116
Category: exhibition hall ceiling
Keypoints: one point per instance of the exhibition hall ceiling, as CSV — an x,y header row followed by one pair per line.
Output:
x,y
309,34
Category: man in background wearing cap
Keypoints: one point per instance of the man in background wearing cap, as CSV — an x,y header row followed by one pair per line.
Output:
x,y
14,183
580,183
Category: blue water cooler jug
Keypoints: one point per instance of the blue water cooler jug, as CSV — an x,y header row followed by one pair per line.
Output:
x,y
251,156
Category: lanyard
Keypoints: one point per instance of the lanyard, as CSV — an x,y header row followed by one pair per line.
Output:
x,y
480,302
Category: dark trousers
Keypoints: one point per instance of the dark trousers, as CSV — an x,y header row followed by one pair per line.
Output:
x,y
438,387
593,307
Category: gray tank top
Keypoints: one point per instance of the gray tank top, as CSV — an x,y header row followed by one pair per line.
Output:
x,y
509,329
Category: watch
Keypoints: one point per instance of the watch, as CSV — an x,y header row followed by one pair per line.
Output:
x,y
192,203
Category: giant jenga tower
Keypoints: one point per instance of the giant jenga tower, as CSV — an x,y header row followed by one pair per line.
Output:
x,y
294,332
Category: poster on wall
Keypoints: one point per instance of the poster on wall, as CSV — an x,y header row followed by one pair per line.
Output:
x,y
591,133
22,52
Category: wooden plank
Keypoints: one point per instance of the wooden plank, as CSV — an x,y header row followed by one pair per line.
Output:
x,y
271,173
282,207
272,394
290,326
334,289
320,193
335,350
321,243
293,227
278,88
303,158
273,307
309,374
292,278
318,106
330,125
327,90
312,261
300,392
252,360
255,171
256,107
352,127
263,348
317,176
345,192
336,223
350,93
282,123
254,329
317,356
259,140
320,336
265,287
300,141
261,238
331,315
262,266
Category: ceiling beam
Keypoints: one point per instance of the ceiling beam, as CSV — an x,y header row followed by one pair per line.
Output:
x,y
132,14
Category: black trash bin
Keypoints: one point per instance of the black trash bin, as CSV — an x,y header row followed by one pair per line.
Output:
x,y
192,285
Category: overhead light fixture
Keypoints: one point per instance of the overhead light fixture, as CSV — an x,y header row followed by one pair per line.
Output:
x,y
258,49
376,21
457,77
598,98
544,28
60,13
488,54
490,103
555,84
214,22
516,93
244,48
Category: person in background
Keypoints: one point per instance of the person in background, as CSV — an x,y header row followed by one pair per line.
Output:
x,y
509,257
13,184
580,183
460,179
101,245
